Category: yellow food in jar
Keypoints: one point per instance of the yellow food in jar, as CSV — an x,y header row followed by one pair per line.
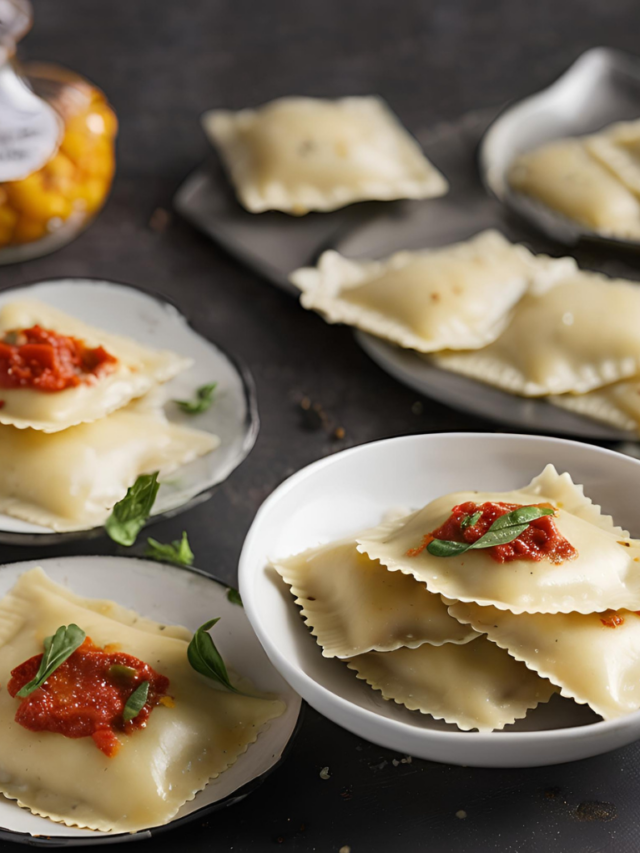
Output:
x,y
75,181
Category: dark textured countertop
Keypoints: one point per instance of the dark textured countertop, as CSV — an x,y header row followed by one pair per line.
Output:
x,y
162,63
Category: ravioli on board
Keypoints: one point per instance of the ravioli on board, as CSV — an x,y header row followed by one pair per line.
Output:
x,y
299,154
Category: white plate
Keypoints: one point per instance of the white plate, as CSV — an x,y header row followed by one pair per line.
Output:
x,y
177,596
351,490
155,322
601,87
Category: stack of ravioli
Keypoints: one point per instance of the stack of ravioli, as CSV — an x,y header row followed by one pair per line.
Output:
x,y
473,641
66,457
488,309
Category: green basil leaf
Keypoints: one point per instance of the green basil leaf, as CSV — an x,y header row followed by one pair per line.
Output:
x,y
122,673
136,702
206,659
130,514
470,520
234,596
178,551
56,651
447,547
503,530
202,401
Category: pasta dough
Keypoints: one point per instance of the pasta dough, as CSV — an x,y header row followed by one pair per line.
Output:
x,y
560,341
618,148
458,297
565,177
158,768
299,154
617,404
604,574
89,467
475,685
139,369
354,605
592,662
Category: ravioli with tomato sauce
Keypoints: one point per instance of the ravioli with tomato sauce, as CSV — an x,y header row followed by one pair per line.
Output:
x,y
160,763
57,371
576,560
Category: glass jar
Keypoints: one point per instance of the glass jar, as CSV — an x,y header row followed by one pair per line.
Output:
x,y
57,157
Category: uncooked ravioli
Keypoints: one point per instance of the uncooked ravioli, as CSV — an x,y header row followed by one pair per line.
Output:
x,y
300,154
577,335
458,297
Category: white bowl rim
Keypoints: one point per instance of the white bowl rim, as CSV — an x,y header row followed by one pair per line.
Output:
x,y
443,737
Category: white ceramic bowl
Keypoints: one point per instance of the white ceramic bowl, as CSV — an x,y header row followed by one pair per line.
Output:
x,y
349,491
173,596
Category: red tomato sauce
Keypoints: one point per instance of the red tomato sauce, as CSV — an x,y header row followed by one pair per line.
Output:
x,y
85,697
540,541
41,359
611,619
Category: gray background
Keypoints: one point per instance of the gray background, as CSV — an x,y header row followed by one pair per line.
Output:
x,y
162,63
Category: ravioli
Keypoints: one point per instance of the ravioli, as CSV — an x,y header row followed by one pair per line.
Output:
x,y
354,605
300,154
138,369
158,768
617,405
558,340
618,149
604,574
88,468
458,297
564,176
594,658
475,685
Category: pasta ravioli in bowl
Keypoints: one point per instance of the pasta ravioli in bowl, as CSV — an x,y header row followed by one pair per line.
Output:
x,y
193,743
546,555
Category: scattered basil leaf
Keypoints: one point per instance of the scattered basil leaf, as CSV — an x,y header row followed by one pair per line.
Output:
x,y
202,401
206,659
56,651
136,702
178,551
470,520
234,596
503,530
130,514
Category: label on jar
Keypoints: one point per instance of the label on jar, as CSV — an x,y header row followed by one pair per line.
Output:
x,y
30,130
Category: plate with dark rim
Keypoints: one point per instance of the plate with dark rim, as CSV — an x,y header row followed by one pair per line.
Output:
x,y
152,320
170,595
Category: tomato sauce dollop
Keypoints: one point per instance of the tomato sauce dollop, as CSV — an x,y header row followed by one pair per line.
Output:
x,y
540,541
86,695
46,361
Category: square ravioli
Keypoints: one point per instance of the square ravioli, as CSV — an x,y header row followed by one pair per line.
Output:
x,y
456,297
565,177
57,371
197,734
618,148
354,605
574,559
475,685
594,658
558,342
90,467
299,154
617,405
